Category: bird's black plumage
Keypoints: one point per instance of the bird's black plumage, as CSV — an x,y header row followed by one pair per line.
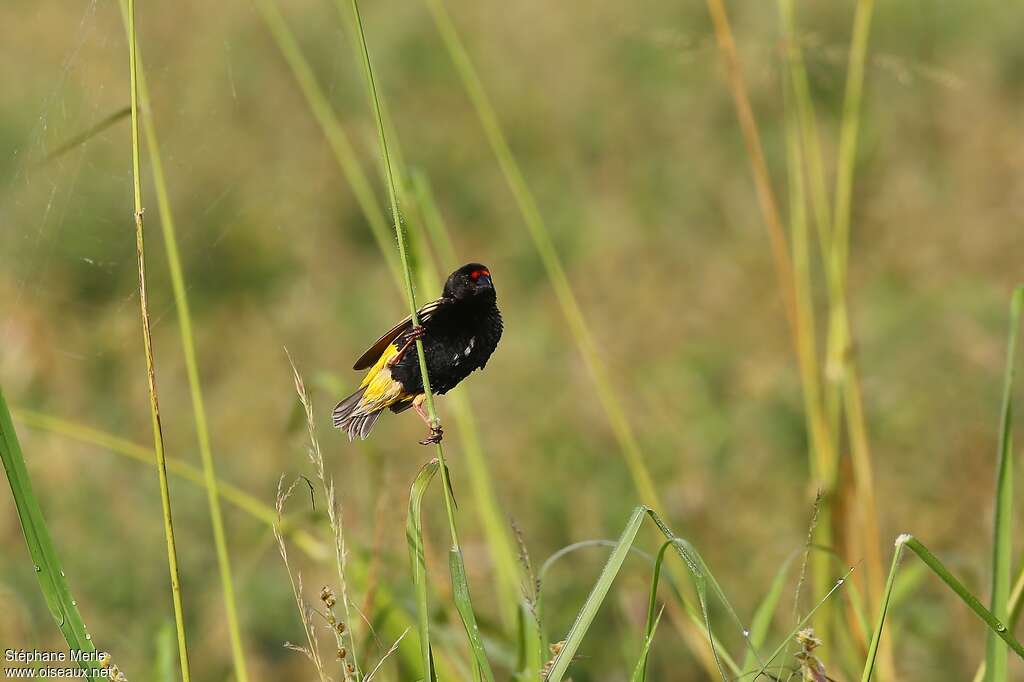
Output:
x,y
460,331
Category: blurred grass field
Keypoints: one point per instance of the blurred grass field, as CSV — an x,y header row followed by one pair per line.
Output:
x,y
625,130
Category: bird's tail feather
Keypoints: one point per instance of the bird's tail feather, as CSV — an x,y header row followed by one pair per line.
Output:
x,y
353,422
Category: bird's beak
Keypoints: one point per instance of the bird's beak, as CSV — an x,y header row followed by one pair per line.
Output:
x,y
485,281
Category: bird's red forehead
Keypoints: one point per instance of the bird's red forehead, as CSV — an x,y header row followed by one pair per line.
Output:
x,y
476,274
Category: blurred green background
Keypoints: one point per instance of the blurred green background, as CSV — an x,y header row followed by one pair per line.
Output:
x,y
622,121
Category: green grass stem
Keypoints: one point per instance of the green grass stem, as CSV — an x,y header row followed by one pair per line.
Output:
x,y
418,562
52,582
188,346
996,655
495,527
358,180
147,341
460,586
540,236
337,138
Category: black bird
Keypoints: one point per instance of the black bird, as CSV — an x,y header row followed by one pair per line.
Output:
x,y
460,330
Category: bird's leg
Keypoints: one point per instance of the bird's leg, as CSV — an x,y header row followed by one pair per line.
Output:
x,y
435,429
417,332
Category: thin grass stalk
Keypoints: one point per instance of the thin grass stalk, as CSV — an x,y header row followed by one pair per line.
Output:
x,y
541,238
334,517
640,670
822,446
794,285
460,586
495,527
822,455
337,138
844,388
996,655
351,167
784,644
87,134
52,582
539,234
809,136
404,258
496,533
147,340
759,167
188,346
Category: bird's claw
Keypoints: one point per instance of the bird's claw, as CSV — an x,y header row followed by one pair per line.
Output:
x,y
417,332
434,438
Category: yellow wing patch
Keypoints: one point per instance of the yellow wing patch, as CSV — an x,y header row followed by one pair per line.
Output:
x,y
381,390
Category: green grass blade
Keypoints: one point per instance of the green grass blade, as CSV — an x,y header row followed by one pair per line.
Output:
x,y
994,624
48,569
653,614
188,345
765,611
607,396
463,604
460,584
147,343
990,619
842,582
417,560
1002,542
492,519
640,670
531,644
550,259
337,138
883,609
163,666
586,615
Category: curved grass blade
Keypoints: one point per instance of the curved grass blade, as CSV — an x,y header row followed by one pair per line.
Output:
x,y
698,572
48,569
414,538
931,561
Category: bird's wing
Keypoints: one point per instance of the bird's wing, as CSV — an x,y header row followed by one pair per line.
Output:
x,y
377,349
